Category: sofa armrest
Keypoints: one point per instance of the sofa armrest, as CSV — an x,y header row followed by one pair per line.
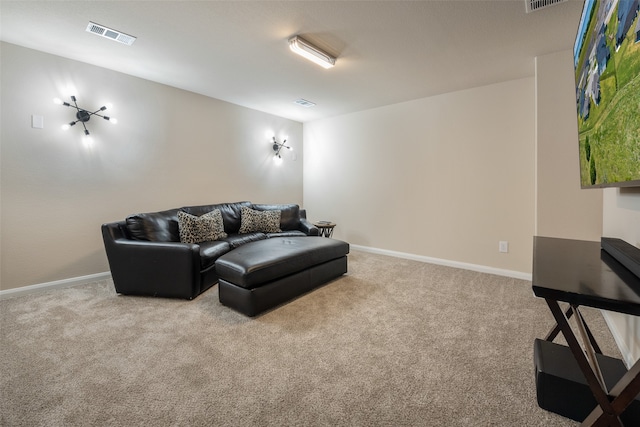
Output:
x,y
165,269
308,228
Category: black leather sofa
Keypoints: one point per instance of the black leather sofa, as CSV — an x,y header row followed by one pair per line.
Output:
x,y
146,256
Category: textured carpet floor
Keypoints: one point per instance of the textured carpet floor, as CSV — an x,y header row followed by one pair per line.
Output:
x,y
393,343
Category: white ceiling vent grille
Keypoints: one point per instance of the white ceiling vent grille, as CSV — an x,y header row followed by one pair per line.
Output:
x,y
304,102
108,33
533,5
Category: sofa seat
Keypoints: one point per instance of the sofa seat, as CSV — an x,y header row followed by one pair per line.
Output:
x,y
288,233
211,251
237,240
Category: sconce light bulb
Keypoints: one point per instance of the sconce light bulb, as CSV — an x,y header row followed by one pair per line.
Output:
x,y
86,131
57,101
277,160
72,124
87,141
65,126
113,120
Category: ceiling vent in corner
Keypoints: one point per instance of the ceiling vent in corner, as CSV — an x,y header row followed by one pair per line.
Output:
x,y
304,102
533,5
108,33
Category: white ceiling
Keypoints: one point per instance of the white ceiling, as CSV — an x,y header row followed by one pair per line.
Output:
x,y
237,51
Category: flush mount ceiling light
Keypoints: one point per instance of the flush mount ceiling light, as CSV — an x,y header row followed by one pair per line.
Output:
x,y
311,52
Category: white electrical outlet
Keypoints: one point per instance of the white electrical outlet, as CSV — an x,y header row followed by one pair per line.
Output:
x,y
503,246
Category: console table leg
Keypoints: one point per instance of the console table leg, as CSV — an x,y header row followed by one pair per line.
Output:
x,y
597,418
623,392
556,330
591,357
594,384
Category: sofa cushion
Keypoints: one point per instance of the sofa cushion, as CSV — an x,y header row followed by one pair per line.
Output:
x,y
205,228
259,221
154,226
230,213
236,240
211,251
289,214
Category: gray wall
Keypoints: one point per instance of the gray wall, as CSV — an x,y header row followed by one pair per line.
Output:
x,y
170,148
445,177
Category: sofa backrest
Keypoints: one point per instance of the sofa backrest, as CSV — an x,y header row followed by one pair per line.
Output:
x,y
154,226
230,213
289,215
163,226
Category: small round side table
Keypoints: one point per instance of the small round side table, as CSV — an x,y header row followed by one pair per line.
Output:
x,y
325,228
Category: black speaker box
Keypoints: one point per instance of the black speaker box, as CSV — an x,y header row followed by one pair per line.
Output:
x,y
562,388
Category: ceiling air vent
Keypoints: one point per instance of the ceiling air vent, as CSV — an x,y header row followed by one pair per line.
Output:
x,y
108,33
533,5
304,102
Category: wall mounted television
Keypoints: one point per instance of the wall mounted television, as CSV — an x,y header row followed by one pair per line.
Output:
x,y
606,57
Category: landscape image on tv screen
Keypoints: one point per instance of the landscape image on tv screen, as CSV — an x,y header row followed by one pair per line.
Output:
x,y
607,70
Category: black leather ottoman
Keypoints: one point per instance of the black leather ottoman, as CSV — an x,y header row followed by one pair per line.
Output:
x,y
260,275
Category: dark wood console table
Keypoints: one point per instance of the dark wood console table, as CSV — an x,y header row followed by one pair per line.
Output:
x,y
580,273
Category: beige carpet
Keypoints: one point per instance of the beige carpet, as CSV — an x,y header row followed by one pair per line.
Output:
x,y
393,343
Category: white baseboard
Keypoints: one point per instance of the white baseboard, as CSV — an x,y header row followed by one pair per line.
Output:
x,y
446,262
65,283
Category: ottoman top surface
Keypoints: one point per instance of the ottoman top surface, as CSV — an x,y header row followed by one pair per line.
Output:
x,y
254,264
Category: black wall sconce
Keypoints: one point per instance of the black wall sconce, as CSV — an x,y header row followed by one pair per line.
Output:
x,y
82,115
277,147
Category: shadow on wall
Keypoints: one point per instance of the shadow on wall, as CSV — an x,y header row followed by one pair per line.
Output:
x,y
629,198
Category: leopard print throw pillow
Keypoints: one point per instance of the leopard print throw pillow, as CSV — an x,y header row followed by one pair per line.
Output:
x,y
205,228
259,221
